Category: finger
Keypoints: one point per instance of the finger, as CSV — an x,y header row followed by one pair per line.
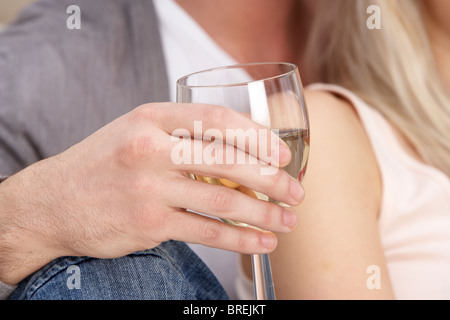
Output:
x,y
195,157
194,228
198,121
238,204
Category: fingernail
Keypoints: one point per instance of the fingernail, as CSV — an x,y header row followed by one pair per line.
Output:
x,y
268,240
284,154
296,191
280,154
289,219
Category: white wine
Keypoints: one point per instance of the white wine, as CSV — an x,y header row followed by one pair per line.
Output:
x,y
298,142
271,95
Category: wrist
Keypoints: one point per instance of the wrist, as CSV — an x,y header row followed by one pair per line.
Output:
x,y
22,249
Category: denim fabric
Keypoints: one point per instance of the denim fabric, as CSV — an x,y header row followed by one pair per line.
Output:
x,y
171,271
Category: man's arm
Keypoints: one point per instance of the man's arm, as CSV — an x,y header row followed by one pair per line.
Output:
x,y
118,191
5,289
88,174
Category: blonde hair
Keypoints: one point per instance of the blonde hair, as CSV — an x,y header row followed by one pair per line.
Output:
x,y
391,68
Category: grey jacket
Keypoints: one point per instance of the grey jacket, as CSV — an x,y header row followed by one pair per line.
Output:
x,y
58,86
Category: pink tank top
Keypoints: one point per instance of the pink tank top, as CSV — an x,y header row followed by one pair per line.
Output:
x,y
414,220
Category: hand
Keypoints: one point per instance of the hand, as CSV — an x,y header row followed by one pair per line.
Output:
x,y
118,191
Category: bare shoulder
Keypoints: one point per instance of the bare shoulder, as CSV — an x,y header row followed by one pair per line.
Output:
x,y
340,147
326,107
338,237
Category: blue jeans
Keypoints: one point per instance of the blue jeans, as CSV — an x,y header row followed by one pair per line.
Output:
x,y
171,271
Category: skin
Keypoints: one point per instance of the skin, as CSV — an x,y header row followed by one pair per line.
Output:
x,y
437,20
327,256
136,201
254,30
337,239
337,219
76,205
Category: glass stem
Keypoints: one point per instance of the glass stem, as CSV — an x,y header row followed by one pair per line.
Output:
x,y
262,277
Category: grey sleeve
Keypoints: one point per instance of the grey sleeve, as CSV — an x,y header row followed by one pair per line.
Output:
x,y
16,152
58,86
6,290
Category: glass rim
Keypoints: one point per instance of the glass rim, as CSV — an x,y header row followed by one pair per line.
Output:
x,y
293,69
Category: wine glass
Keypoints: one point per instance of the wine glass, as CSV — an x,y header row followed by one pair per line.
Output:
x,y
272,95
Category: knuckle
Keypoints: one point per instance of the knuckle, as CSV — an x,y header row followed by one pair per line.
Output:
x,y
242,244
144,114
141,147
266,217
220,200
150,220
141,183
276,179
145,217
145,145
214,115
210,232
